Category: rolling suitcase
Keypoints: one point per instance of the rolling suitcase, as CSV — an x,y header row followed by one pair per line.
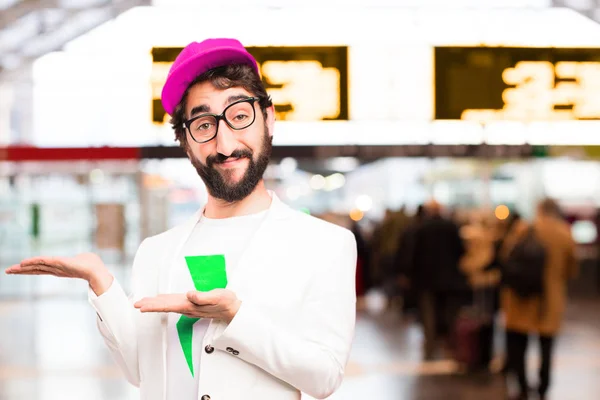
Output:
x,y
472,332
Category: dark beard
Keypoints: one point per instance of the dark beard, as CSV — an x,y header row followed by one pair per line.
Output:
x,y
231,193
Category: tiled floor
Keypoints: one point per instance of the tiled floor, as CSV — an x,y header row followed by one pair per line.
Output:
x,y
50,350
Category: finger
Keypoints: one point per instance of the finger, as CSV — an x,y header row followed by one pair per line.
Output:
x,y
41,260
12,269
36,270
155,306
146,304
141,302
57,264
149,302
202,311
38,267
146,301
196,314
159,308
36,273
49,270
202,298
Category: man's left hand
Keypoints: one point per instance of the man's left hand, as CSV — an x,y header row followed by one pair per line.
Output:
x,y
220,304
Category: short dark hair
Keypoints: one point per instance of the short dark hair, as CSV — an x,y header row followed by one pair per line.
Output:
x,y
228,76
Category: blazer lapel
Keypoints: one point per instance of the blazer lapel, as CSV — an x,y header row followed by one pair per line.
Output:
x,y
184,232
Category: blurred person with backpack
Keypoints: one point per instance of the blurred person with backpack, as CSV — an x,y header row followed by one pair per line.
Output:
x,y
538,259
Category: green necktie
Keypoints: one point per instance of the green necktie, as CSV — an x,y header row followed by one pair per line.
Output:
x,y
208,273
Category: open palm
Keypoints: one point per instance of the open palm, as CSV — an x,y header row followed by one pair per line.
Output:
x,y
81,266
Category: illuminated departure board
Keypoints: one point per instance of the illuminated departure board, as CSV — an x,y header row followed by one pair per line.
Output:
x,y
305,83
521,84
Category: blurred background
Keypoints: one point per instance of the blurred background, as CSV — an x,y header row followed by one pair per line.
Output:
x,y
478,109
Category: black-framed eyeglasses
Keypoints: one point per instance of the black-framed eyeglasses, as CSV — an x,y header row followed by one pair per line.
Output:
x,y
238,115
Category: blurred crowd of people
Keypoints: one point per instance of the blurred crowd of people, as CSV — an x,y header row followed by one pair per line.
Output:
x,y
457,272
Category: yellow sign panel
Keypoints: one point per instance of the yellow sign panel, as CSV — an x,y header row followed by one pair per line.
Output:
x,y
305,83
535,93
520,84
312,91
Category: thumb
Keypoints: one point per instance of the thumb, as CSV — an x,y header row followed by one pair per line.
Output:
x,y
192,296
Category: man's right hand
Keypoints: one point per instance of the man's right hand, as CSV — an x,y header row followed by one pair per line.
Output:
x,y
86,266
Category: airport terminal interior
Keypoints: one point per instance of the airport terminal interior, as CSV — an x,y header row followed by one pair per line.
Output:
x,y
385,110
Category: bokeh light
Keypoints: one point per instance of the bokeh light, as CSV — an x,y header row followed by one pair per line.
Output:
x,y
502,212
356,215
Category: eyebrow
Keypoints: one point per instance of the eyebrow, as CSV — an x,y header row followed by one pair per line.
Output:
x,y
204,108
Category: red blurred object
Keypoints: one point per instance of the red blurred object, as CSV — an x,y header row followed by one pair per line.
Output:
x,y
360,284
29,153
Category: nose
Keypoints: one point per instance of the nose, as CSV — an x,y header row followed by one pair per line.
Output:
x,y
226,140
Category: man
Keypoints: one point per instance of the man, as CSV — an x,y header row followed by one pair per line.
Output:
x,y
539,315
439,284
403,261
246,300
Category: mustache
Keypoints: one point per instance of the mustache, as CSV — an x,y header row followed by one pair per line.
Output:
x,y
221,158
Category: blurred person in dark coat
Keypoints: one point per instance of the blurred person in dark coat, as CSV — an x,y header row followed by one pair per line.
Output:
x,y
436,278
404,260
384,245
540,315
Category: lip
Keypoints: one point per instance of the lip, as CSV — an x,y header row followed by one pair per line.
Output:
x,y
232,163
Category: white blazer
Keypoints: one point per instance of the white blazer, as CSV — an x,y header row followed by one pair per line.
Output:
x,y
292,333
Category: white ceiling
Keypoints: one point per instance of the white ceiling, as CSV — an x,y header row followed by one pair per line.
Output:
x,y
32,28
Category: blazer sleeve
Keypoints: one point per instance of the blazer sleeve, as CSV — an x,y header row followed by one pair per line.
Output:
x,y
313,361
116,322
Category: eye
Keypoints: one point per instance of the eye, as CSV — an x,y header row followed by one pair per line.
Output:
x,y
240,117
203,126
239,114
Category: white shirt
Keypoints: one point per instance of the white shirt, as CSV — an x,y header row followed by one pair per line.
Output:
x,y
228,237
